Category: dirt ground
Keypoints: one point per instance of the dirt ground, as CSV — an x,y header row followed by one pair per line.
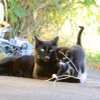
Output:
x,y
16,88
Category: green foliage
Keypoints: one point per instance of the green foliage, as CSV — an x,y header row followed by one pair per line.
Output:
x,y
19,12
13,3
14,11
49,15
34,1
47,18
12,16
92,59
89,2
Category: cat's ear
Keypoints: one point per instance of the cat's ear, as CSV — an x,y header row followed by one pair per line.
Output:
x,y
37,41
55,41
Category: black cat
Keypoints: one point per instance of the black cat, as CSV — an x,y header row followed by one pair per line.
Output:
x,y
76,55
40,66
46,62
17,66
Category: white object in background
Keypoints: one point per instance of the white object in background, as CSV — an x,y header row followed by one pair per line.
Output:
x,y
1,18
1,12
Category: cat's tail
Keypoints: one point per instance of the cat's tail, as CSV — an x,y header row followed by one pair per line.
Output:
x,y
79,35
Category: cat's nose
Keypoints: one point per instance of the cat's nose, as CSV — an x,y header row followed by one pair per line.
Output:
x,y
47,57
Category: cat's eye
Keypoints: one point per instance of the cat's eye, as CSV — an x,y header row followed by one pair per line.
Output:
x,y
42,49
50,50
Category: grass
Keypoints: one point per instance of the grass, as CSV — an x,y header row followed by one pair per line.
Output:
x,y
91,47
93,59
3,55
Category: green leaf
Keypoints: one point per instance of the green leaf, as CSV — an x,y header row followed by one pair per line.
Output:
x,y
91,13
88,15
14,17
89,2
11,3
57,4
31,5
35,1
19,12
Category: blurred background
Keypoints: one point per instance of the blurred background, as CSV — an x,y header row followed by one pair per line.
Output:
x,y
49,18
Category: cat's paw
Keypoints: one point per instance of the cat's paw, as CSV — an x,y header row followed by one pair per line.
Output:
x,y
83,77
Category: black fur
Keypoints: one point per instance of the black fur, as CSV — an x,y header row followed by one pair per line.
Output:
x,y
79,36
45,62
45,59
17,66
40,66
77,56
